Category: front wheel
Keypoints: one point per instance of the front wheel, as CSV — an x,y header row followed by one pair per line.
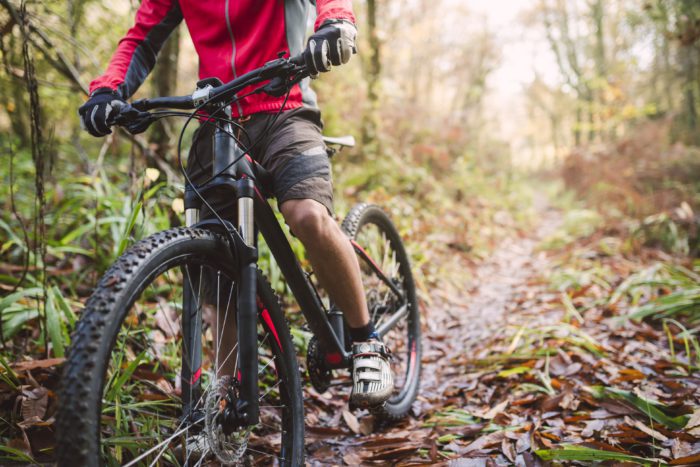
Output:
x,y
391,300
136,390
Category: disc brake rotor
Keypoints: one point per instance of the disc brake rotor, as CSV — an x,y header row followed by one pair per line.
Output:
x,y
229,449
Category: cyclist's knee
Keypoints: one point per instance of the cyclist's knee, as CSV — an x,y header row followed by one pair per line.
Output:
x,y
308,219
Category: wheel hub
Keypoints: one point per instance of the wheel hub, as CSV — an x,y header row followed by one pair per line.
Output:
x,y
226,437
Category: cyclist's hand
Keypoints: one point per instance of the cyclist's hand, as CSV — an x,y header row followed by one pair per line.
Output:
x,y
97,113
332,44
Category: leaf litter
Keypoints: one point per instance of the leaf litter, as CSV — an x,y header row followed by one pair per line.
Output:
x,y
525,368
535,361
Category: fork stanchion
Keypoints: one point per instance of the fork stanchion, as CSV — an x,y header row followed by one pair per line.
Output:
x,y
192,205
247,306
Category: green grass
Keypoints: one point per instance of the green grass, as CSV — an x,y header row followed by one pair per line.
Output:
x,y
570,452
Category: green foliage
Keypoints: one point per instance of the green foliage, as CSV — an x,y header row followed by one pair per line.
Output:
x,y
667,232
577,224
569,452
652,409
669,291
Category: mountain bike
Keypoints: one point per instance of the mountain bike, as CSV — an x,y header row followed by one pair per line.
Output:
x,y
141,384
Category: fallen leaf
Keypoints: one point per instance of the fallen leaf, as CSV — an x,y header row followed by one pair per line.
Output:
x,y
485,441
490,414
384,441
326,430
166,318
680,448
34,403
352,458
693,459
693,426
592,427
508,449
367,425
641,426
351,422
37,364
392,454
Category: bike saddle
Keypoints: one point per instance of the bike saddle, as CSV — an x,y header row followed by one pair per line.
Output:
x,y
347,141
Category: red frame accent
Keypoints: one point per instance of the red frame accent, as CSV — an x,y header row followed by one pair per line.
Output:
x,y
268,321
197,374
357,245
413,356
334,358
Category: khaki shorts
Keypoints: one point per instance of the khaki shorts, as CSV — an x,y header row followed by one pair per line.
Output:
x,y
292,151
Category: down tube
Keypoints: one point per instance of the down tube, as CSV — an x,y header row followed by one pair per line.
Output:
x,y
308,301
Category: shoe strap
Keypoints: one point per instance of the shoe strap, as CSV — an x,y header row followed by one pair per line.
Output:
x,y
369,348
368,376
371,362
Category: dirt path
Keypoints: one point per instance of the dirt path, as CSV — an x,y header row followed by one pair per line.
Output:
x,y
476,301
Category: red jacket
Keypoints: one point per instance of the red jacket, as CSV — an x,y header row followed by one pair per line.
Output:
x,y
231,37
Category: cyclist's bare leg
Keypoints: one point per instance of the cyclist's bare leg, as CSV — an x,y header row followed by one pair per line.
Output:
x,y
331,256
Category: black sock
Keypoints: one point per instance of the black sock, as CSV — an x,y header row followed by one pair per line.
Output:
x,y
364,333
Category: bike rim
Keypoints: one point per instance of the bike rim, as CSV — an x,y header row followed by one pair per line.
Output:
x,y
382,302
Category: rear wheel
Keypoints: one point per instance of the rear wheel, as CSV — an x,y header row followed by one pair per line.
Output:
x,y
375,237
123,401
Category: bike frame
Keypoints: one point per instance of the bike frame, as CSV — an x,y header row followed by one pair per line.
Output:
x,y
235,174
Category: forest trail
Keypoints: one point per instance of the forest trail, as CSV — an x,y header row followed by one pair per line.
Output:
x,y
459,321
478,300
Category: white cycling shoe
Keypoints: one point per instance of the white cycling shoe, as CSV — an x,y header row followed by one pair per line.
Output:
x,y
372,380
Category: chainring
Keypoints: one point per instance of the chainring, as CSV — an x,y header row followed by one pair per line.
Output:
x,y
320,376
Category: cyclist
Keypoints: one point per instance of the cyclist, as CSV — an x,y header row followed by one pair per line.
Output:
x,y
232,38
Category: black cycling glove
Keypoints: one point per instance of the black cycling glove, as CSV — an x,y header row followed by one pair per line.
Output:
x,y
95,114
332,44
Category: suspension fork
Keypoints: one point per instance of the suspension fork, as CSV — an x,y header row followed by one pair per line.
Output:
x,y
191,370
229,162
232,172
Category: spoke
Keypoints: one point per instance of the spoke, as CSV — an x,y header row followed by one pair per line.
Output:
x,y
266,454
221,326
155,461
269,361
269,389
262,342
226,359
199,462
157,446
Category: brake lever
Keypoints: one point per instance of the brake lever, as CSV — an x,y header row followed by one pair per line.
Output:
x,y
135,121
279,86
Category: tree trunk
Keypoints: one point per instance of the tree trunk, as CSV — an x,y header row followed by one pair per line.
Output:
x,y
596,110
691,115
370,127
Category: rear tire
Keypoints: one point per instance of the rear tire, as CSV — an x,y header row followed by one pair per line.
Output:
x,y
113,410
370,227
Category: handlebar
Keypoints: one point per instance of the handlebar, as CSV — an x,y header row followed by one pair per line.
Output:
x,y
282,73
289,70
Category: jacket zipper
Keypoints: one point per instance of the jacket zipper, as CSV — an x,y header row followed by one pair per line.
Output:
x,y
233,53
